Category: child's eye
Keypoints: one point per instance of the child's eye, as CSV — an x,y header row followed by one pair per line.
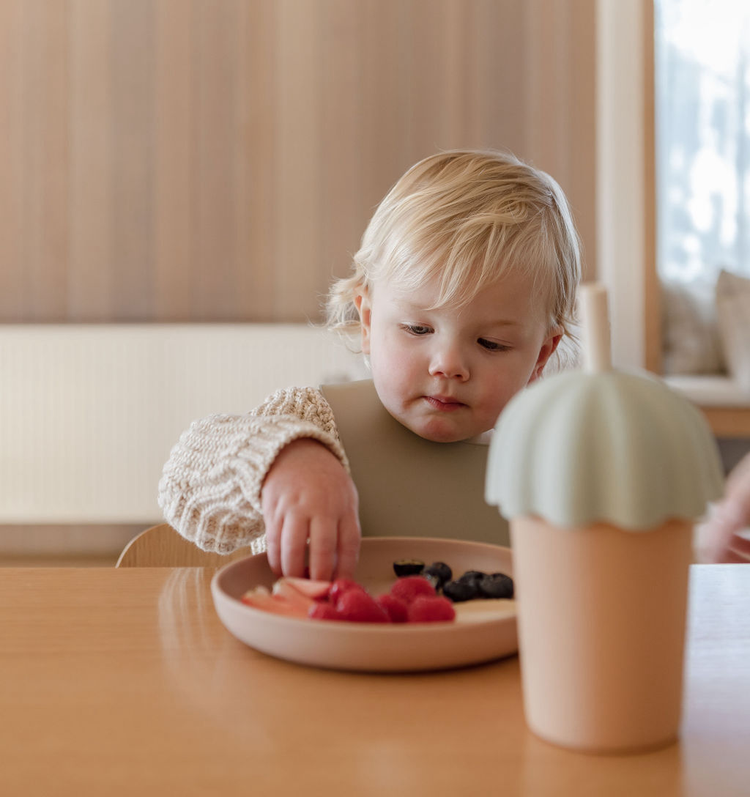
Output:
x,y
417,329
490,345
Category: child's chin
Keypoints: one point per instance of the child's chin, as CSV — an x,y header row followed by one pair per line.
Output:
x,y
440,432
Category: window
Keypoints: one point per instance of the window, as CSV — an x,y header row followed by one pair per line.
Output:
x,y
703,138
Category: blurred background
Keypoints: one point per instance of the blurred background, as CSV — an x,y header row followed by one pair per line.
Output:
x,y
218,160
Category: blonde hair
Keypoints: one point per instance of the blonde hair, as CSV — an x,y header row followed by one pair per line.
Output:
x,y
466,218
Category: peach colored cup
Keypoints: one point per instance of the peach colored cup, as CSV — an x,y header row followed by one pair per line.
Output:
x,y
602,616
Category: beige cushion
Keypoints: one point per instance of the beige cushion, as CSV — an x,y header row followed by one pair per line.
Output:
x,y
690,331
733,312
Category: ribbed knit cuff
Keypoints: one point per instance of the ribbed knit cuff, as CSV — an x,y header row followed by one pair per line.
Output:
x,y
210,487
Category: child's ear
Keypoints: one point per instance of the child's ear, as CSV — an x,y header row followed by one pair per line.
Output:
x,y
551,342
364,308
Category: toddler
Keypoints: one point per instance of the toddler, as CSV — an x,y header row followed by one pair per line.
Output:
x,y
461,292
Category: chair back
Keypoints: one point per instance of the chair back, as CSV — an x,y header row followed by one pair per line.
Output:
x,y
162,546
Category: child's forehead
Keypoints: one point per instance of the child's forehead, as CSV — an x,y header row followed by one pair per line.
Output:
x,y
507,300
434,288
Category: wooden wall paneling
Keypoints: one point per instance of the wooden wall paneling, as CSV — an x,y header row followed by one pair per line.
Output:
x,y
45,180
456,55
299,173
342,216
560,122
259,158
488,69
384,79
255,211
218,160
427,79
581,176
14,287
218,30
261,154
494,87
478,59
132,141
175,147
547,75
90,290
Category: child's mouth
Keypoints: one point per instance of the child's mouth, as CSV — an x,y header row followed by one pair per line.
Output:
x,y
444,404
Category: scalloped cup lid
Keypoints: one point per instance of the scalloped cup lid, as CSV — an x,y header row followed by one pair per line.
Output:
x,y
613,447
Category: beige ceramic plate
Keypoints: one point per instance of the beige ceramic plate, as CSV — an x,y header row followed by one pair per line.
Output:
x,y
482,631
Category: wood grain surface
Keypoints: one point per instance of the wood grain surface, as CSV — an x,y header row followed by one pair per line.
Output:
x,y
123,681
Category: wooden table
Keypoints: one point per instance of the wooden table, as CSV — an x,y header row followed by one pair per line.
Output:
x,y
124,682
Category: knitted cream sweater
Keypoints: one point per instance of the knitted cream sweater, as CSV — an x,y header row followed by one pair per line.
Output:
x,y
210,487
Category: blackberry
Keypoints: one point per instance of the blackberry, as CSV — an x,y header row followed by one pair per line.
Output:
x,y
472,577
440,571
459,591
432,578
496,585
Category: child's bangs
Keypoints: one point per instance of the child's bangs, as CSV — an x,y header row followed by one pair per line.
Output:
x,y
464,263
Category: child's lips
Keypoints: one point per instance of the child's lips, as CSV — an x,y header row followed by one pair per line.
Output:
x,y
444,403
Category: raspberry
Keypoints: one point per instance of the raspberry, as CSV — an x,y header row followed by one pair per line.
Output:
x,y
395,608
357,606
340,586
324,611
409,587
431,610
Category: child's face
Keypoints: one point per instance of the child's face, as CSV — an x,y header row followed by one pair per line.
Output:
x,y
446,374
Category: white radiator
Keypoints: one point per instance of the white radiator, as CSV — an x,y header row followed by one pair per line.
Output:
x,y
88,413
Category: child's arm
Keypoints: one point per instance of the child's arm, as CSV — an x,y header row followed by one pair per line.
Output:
x,y
210,490
720,534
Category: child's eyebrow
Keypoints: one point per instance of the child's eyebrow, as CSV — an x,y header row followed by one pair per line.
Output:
x,y
405,305
415,309
504,323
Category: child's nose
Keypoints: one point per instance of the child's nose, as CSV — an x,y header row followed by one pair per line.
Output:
x,y
449,362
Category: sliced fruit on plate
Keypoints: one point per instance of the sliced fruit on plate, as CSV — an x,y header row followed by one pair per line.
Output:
x,y
284,589
261,598
312,588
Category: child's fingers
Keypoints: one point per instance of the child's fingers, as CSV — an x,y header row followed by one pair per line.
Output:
x,y
274,557
322,548
733,558
294,545
725,521
739,547
273,547
348,547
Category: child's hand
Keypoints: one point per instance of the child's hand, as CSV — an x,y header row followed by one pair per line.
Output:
x,y
308,495
721,540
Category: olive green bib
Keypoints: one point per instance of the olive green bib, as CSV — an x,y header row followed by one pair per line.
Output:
x,y
409,486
